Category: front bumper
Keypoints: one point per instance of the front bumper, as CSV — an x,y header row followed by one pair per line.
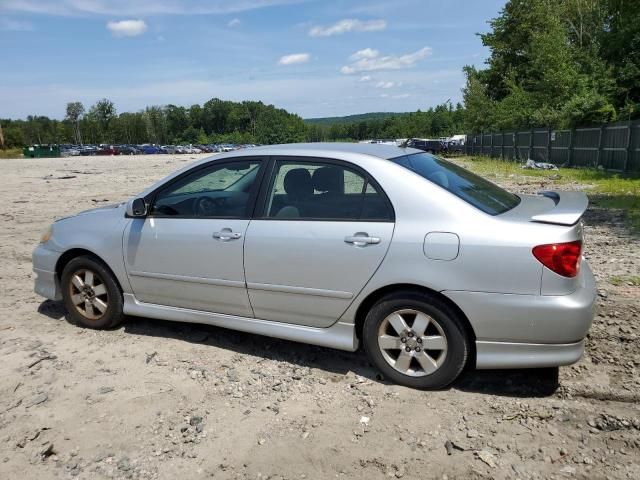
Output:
x,y
44,266
519,331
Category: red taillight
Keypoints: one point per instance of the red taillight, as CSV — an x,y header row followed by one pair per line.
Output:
x,y
562,258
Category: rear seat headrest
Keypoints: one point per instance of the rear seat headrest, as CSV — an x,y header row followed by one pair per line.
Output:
x,y
328,179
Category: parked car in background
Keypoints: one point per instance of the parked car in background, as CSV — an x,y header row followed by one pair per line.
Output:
x,y
152,150
128,150
88,150
455,147
426,264
107,150
426,145
69,151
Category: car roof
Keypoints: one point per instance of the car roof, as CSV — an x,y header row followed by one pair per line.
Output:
x,y
372,149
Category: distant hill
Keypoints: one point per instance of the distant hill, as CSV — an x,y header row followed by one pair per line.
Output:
x,y
362,117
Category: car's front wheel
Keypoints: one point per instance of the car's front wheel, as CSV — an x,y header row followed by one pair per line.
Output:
x,y
90,293
415,340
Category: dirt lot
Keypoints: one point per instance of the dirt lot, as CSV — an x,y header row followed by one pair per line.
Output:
x,y
156,399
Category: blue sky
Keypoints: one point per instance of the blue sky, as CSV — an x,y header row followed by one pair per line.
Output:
x,y
312,57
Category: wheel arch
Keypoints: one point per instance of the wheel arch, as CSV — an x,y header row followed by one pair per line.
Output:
x,y
72,253
373,297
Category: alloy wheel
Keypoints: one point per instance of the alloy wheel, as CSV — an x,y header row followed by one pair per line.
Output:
x,y
89,294
412,342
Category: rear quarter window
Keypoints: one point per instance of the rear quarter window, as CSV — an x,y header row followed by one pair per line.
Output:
x,y
473,189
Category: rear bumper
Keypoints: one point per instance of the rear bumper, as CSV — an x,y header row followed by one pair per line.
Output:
x,y
526,355
44,266
518,331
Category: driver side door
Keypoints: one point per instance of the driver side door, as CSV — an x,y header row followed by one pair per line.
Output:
x,y
188,252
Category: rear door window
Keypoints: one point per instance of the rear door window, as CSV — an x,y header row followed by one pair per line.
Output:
x,y
310,190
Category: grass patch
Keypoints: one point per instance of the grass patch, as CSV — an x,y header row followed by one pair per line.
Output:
x,y
605,189
618,280
11,153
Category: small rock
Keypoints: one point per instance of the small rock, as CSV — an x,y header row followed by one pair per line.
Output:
x,y
261,441
449,447
364,420
488,458
151,356
124,464
36,400
105,390
195,420
47,451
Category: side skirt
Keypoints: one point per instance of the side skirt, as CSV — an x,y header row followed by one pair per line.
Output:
x,y
341,336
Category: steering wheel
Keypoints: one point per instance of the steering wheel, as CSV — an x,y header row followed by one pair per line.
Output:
x,y
206,206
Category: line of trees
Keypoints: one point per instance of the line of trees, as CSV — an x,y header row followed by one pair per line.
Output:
x,y
442,120
217,121
557,63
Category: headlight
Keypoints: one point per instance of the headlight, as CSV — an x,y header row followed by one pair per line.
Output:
x,y
46,234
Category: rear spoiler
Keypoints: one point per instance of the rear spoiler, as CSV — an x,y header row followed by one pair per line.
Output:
x,y
570,206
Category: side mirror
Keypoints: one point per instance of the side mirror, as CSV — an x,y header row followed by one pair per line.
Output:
x,y
136,208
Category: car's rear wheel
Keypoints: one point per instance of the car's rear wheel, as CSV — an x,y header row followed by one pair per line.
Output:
x,y
415,340
90,293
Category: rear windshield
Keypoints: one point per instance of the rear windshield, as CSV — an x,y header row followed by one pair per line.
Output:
x,y
473,189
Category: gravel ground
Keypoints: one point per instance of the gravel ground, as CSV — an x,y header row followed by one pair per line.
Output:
x,y
156,399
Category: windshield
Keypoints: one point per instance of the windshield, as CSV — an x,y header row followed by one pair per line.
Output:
x,y
473,189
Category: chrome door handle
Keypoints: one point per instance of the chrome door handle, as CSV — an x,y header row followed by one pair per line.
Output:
x,y
226,234
360,240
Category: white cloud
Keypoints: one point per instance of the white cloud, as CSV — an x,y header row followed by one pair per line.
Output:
x,y
294,58
369,60
385,85
365,53
138,7
348,25
127,28
365,78
11,25
234,23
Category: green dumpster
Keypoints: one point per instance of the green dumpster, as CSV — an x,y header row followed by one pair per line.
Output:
x,y
41,151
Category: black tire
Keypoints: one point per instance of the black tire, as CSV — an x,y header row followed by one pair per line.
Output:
x,y
457,343
113,314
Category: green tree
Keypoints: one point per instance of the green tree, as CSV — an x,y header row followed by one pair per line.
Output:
x,y
75,110
102,113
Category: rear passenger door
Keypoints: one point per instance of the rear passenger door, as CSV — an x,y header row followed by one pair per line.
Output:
x,y
320,232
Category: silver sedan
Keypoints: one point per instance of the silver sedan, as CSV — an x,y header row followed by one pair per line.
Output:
x,y
428,266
